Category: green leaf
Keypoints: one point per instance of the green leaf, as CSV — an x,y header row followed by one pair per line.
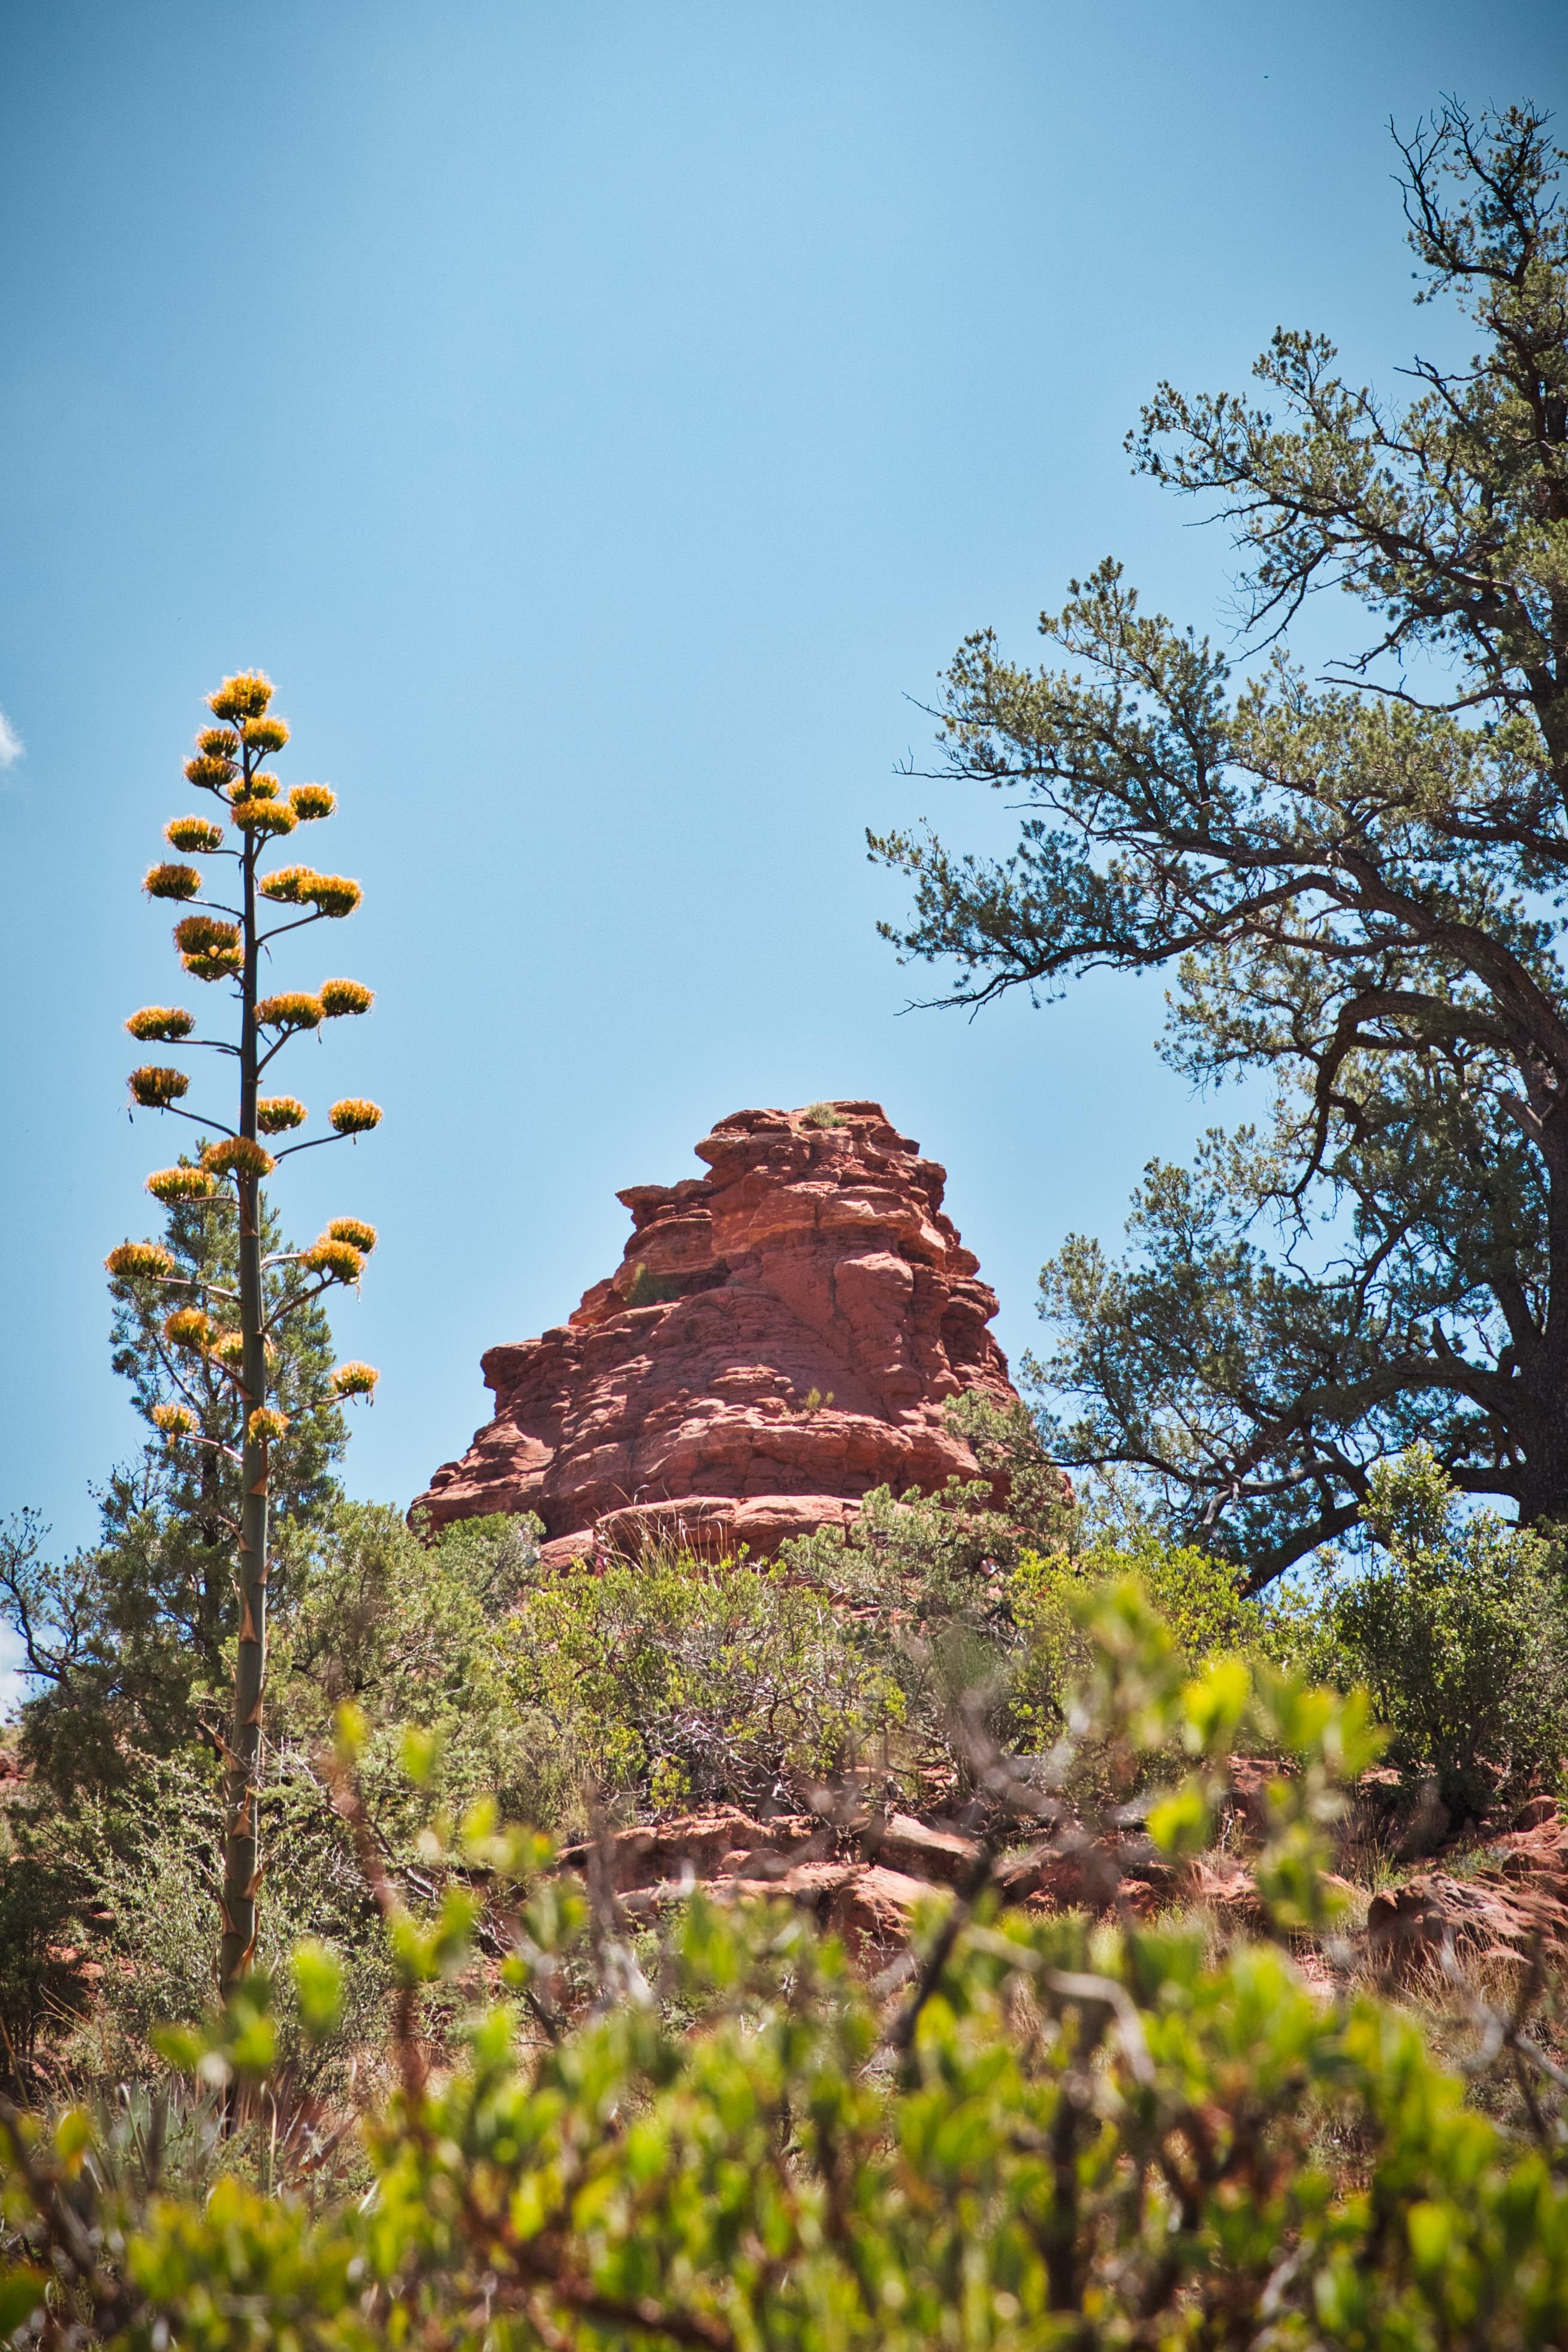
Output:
x,y
1431,2233
351,1729
419,1752
317,1986
21,2292
1212,1707
1181,1823
182,2045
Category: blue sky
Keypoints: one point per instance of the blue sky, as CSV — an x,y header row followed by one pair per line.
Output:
x,y
600,422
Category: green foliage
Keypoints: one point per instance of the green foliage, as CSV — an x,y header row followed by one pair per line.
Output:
x,y
646,1289
1198,1598
946,1554
667,1681
129,1645
40,1949
1461,1632
149,1866
406,1631
1046,2134
1358,893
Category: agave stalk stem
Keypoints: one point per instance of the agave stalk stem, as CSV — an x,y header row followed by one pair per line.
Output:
x,y
227,769
241,1873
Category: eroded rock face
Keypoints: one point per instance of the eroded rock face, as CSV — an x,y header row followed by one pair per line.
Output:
x,y
1515,1906
809,1258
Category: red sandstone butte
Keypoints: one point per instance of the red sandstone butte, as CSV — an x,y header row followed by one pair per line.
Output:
x,y
680,1395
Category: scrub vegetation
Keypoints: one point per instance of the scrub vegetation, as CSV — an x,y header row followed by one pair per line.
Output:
x,y
1131,1914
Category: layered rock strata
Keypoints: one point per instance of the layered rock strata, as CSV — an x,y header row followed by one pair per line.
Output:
x,y
782,1334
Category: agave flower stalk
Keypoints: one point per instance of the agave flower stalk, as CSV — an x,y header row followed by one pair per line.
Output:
x,y
215,944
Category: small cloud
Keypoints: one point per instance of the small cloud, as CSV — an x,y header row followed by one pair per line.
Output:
x,y
11,744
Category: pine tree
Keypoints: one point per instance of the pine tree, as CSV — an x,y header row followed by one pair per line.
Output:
x,y
126,1644
1356,886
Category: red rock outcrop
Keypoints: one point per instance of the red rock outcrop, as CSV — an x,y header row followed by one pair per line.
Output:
x,y
1517,1906
782,1334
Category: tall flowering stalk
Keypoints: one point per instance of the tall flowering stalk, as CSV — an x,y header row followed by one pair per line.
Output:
x,y
225,942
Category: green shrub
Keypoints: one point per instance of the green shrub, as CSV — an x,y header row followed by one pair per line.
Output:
x,y
948,1554
41,1937
405,1628
669,1681
1045,2134
1460,1632
156,1887
1198,1596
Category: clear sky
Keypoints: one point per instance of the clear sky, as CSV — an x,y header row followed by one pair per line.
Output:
x,y
600,421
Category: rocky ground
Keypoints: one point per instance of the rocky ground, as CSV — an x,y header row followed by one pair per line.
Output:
x,y
1492,1900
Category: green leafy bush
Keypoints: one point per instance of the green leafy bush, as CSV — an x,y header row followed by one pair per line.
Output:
x,y
1045,2133
1198,1596
151,1876
670,1681
41,1938
667,1681
1461,1633
946,1554
404,1628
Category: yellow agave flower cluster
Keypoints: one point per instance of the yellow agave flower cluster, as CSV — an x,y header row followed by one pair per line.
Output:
x,y
166,1023
172,1184
146,1260
301,886
354,1116
274,1114
157,1088
238,1156
338,1261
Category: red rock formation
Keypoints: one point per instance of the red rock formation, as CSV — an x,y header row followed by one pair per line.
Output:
x,y
811,1258
1517,1906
